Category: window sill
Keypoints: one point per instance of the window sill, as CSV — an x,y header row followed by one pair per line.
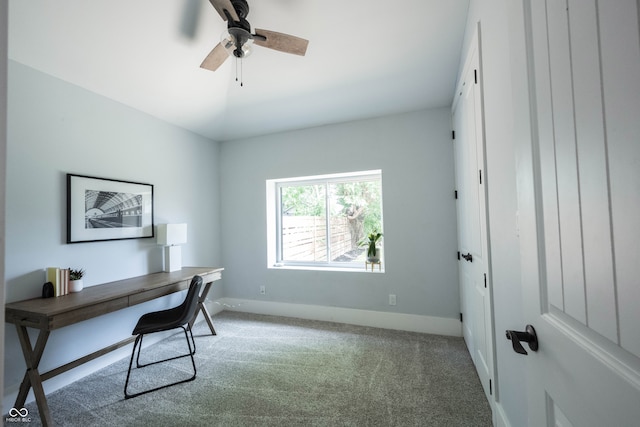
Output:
x,y
333,269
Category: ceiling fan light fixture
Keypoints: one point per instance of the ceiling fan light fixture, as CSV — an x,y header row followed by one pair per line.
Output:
x,y
230,43
242,41
227,41
247,49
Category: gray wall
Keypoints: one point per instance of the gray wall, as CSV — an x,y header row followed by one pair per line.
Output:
x,y
415,153
55,128
502,204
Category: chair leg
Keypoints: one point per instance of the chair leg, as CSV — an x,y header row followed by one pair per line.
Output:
x,y
133,352
192,340
138,343
138,365
191,353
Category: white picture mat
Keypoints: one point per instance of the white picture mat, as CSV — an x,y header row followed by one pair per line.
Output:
x,y
78,185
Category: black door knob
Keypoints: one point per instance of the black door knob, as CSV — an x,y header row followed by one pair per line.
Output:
x,y
529,336
468,257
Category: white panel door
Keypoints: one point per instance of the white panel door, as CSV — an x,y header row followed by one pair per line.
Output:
x,y
460,119
473,263
579,195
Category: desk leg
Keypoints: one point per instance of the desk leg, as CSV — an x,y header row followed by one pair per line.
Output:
x,y
32,357
202,308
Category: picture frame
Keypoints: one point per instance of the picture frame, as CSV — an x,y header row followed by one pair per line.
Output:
x,y
108,209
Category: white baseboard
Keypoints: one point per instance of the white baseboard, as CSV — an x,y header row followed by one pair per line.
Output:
x,y
377,319
500,418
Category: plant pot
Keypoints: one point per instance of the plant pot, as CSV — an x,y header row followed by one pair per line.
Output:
x,y
375,259
75,285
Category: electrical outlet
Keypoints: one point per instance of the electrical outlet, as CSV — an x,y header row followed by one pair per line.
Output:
x,y
392,299
263,290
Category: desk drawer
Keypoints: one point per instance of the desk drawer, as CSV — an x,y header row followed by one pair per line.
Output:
x,y
88,312
150,294
26,318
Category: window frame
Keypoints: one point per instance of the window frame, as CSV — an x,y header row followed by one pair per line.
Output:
x,y
274,219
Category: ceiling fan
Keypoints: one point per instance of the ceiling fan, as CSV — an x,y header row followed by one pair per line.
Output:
x,y
238,41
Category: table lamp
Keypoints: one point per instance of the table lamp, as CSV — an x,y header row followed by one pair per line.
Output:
x,y
171,236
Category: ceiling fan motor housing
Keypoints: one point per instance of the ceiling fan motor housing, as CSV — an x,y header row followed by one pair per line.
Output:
x,y
241,7
240,30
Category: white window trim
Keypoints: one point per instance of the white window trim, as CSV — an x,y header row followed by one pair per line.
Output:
x,y
274,217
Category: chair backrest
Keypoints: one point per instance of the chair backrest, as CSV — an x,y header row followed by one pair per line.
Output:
x,y
188,307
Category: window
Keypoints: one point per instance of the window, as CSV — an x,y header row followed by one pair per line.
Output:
x,y
321,221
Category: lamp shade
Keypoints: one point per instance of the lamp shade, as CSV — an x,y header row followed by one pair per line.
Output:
x,y
172,234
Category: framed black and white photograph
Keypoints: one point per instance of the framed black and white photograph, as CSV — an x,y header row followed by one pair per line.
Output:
x,y
107,209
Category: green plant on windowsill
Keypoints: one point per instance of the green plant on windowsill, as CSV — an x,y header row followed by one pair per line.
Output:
x,y
371,242
75,274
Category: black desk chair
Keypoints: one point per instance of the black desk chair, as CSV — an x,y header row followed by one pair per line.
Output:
x,y
164,320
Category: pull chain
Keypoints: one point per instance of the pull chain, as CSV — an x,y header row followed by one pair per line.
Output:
x,y
241,82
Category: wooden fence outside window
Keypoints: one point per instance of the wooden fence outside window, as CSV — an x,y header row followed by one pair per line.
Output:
x,y
304,238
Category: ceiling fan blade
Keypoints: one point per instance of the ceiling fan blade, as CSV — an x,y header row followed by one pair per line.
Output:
x,y
215,58
282,42
222,5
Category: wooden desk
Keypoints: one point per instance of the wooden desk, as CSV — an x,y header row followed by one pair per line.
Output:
x,y
53,313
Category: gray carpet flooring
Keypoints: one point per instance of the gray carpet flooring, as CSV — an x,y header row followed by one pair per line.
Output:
x,y
275,371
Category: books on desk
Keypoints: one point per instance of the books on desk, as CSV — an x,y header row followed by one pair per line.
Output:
x,y
59,277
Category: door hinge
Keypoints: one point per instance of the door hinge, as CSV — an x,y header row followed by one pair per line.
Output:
x,y
490,387
453,134
475,76
480,170
485,280
455,194
461,317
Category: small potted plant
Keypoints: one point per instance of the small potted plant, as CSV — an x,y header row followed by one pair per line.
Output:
x,y
371,242
75,280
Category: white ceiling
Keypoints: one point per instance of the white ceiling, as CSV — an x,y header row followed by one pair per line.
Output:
x,y
366,58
